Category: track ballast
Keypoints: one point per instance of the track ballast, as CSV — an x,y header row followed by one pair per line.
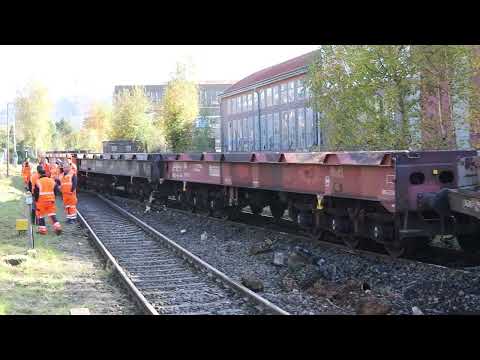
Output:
x,y
169,278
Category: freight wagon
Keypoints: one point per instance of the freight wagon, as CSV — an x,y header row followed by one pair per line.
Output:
x,y
395,198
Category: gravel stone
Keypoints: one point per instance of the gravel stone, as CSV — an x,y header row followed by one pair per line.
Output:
x,y
15,260
401,285
252,282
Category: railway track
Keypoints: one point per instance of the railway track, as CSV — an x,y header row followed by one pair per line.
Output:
x,y
161,276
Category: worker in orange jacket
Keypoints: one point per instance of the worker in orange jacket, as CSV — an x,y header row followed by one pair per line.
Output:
x,y
55,170
73,166
46,166
68,187
26,173
31,186
44,195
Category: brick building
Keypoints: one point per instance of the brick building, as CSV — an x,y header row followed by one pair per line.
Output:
x,y
209,104
269,110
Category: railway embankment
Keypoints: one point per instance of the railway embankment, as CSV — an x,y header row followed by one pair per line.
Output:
x,y
62,272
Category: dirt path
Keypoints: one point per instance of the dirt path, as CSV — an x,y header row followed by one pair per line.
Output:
x,y
66,272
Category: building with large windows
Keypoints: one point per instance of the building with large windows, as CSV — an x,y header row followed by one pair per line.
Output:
x,y
208,98
269,110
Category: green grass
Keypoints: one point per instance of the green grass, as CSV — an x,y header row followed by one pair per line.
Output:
x,y
38,285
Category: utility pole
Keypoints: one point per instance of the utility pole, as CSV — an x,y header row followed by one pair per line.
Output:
x,y
15,155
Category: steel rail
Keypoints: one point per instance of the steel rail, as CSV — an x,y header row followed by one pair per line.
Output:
x,y
137,296
264,304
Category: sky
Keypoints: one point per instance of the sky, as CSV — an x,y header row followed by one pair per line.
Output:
x,y
93,70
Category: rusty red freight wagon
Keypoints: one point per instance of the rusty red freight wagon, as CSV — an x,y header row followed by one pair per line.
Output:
x,y
387,196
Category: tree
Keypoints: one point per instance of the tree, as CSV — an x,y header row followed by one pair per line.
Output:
x,y
445,81
34,122
363,95
131,118
380,97
180,108
96,127
203,139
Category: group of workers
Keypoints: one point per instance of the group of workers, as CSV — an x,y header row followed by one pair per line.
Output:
x,y
47,181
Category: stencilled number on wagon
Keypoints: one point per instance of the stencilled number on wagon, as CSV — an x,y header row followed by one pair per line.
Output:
x,y
197,167
337,171
177,171
214,170
390,179
327,182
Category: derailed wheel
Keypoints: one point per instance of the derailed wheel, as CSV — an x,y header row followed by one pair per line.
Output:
x,y
469,243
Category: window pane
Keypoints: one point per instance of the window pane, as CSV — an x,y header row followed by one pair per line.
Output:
x,y
283,93
230,136
262,99
250,134
256,132
300,89
249,101
245,134
269,97
244,103
255,101
263,129
239,105
301,128
234,106
291,91
269,131
284,132
276,97
276,131
310,128
292,131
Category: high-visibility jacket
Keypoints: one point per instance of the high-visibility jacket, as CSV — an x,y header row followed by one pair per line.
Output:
x,y
33,180
26,172
66,186
46,189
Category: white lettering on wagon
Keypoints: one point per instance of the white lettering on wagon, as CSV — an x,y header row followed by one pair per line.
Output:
x,y
214,170
177,171
388,192
197,167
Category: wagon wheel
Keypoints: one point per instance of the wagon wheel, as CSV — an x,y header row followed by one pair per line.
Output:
x,y
469,243
277,210
256,209
293,213
352,241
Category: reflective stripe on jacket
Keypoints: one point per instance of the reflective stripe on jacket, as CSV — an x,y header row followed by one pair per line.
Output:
x,y
46,189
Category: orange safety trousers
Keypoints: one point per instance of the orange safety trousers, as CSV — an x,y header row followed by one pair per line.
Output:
x,y
46,205
70,203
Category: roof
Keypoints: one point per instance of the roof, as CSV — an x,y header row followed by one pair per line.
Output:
x,y
285,67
